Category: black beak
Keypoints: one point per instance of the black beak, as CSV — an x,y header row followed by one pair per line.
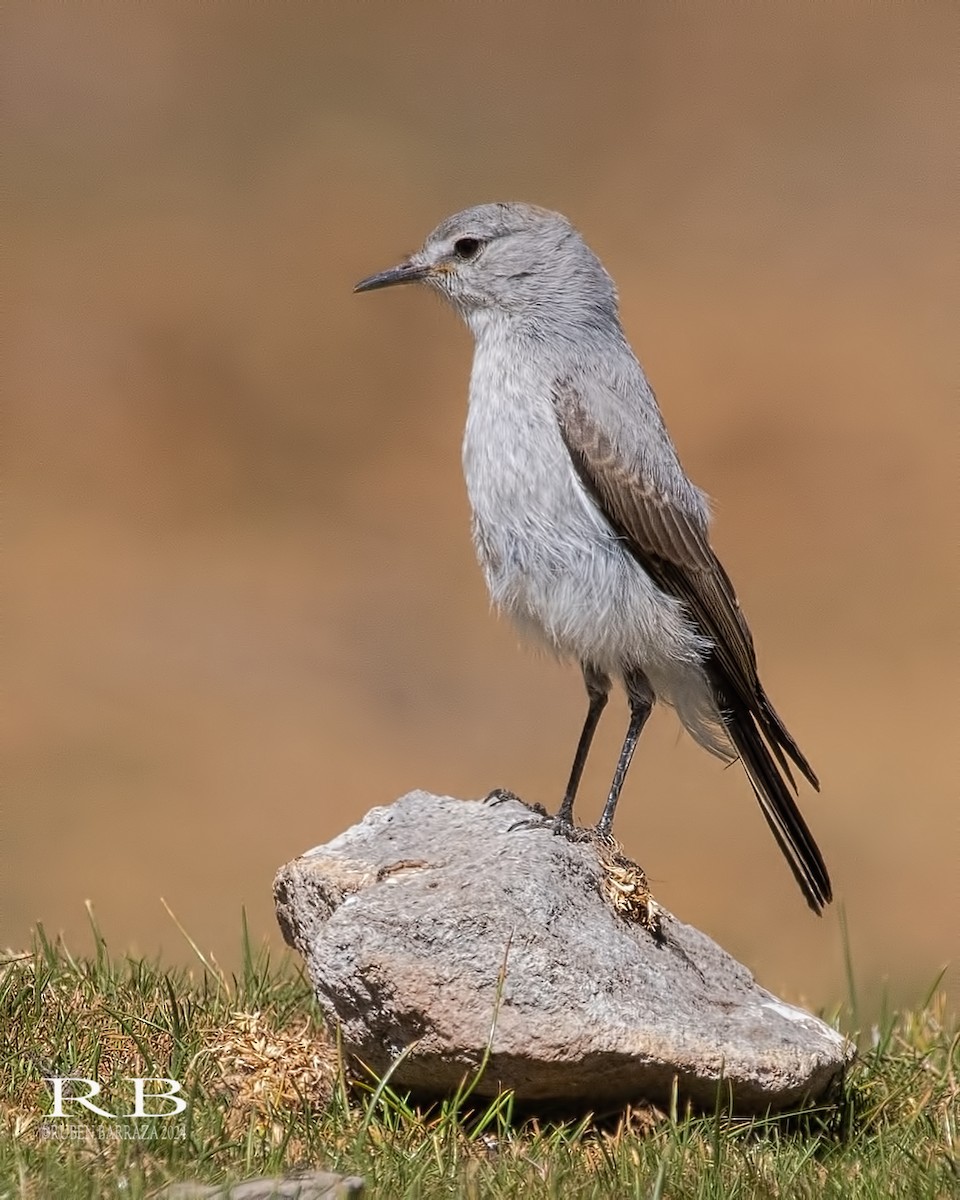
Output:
x,y
406,272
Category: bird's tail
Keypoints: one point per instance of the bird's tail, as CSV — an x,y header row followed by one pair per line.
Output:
x,y
764,745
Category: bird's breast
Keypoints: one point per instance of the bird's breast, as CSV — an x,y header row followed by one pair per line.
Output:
x,y
551,560
542,543
522,487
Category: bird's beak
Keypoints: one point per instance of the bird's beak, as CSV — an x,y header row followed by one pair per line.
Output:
x,y
405,272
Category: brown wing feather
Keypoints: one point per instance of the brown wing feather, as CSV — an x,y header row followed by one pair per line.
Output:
x,y
673,548
680,557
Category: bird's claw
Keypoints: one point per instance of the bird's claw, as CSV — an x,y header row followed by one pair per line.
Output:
x,y
504,795
541,819
501,795
535,822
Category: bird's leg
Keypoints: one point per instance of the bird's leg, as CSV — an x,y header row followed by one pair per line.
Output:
x,y
640,697
598,689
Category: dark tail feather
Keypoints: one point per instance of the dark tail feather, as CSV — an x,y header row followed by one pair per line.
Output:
x,y
754,737
778,737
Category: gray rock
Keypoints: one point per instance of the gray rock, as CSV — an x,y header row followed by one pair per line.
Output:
x,y
434,922
313,1185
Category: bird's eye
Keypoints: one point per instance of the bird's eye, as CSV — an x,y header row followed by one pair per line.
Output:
x,y
467,248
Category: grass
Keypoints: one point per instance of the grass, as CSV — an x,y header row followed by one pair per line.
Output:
x,y
268,1094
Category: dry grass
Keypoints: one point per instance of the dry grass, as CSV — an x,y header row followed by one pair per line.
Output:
x,y
624,886
267,1072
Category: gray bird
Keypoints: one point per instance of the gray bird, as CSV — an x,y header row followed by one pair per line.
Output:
x,y
589,534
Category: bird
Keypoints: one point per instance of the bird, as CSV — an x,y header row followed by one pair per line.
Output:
x,y
590,535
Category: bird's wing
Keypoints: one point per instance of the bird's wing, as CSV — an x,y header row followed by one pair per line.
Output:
x,y
670,543
672,547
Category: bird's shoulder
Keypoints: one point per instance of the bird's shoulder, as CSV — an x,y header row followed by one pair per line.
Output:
x,y
614,430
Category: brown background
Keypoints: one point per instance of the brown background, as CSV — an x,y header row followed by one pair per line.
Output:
x,y
241,603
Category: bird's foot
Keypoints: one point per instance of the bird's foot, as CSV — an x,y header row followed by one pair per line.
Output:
x,y
558,826
504,795
561,827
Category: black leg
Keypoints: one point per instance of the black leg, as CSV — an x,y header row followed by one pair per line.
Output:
x,y
598,689
640,697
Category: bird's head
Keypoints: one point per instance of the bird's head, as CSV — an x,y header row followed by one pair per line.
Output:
x,y
506,258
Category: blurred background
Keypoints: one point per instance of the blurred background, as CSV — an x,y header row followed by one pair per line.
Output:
x,y
241,604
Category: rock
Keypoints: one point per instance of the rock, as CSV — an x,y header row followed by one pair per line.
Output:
x,y
314,1185
408,920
